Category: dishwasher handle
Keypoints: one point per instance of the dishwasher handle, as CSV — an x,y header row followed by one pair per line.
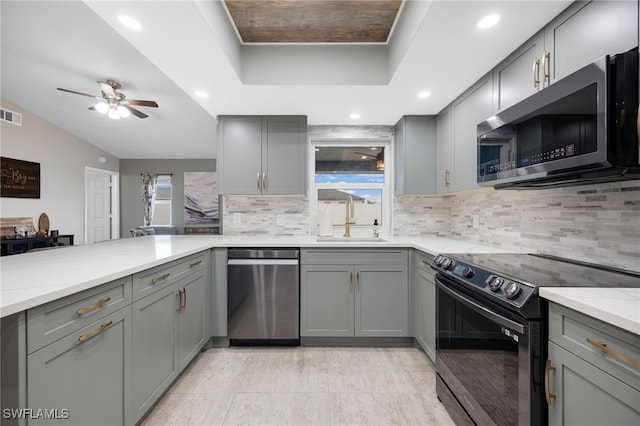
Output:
x,y
262,262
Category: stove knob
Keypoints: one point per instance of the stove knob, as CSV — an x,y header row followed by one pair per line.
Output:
x,y
468,272
438,260
512,290
447,263
496,283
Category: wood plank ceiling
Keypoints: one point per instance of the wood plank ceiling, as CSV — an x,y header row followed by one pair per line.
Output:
x,y
313,21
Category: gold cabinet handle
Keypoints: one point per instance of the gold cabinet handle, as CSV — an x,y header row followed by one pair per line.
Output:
x,y
358,282
546,64
96,305
194,264
163,277
103,327
179,294
264,181
350,281
603,347
426,263
184,293
258,183
446,177
535,71
547,393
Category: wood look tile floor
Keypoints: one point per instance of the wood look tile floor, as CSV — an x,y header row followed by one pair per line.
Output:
x,y
304,386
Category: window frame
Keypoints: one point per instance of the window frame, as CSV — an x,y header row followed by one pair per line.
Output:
x,y
386,187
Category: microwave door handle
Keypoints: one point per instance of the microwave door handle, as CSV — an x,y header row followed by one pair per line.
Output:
x,y
499,319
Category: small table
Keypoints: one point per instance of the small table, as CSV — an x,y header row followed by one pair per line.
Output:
x,y
23,245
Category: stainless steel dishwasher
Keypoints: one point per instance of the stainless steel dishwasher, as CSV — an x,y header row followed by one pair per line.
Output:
x,y
263,295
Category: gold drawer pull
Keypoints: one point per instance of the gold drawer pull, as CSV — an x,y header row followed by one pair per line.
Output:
x,y
96,305
194,264
179,294
549,396
603,347
426,263
546,65
163,277
535,71
103,327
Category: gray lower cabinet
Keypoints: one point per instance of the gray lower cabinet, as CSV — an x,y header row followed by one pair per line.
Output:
x,y
168,331
591,378
424,299
343,299
85,377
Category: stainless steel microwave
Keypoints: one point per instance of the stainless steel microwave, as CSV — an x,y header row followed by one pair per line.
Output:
x,y
582,129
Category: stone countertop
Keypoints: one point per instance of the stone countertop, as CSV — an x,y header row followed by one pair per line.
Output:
x,y
31,279
617,306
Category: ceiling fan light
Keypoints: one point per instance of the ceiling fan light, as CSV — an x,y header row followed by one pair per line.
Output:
x,y
113,113
102,107
124,112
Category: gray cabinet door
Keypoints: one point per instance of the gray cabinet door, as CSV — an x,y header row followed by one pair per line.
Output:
x,y
327,300
586,395
426,310
283,155
381,300
415,151
87,382
154,332
520,75
191,318
586,31
444,137
239,154
469,110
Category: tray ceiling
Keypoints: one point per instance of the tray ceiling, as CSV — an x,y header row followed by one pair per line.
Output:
x,y
313,21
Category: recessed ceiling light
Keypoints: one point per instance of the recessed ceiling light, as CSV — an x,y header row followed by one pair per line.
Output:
x,y
202,94
488,21
354,116
129,22
423,95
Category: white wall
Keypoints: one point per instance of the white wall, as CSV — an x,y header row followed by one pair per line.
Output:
x,y
63,158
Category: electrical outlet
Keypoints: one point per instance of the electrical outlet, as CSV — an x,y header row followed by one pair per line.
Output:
x,y
280,219
476,221
237,219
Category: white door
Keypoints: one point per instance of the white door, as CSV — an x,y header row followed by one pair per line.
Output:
x,y
98,206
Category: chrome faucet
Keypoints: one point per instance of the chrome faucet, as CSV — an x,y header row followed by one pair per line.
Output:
x,y
349,214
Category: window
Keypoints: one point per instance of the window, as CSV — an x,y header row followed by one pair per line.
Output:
x,y
356,173
162,202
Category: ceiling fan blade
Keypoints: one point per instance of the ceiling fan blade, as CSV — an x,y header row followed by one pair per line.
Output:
x,y
107,90
135,112
138,102
79,93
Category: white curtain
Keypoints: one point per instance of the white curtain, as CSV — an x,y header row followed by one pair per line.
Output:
x,y
149,181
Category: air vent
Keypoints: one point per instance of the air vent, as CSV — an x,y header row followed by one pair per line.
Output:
x,y
11,117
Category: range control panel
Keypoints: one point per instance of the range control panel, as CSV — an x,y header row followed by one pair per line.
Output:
x,y
505,290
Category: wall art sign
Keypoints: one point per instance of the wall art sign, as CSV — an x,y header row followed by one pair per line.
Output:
x,y
20,179
201,198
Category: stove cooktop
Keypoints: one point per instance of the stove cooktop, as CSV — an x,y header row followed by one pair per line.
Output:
x,y
512,280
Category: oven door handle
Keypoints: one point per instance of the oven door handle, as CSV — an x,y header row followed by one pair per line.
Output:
x,y
493,316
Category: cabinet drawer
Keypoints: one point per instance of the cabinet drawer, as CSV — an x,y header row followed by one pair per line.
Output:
x,y
154,279
52,321
423,262
353,256
571,329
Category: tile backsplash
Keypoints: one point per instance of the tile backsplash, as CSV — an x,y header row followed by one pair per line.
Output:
x,y
265,215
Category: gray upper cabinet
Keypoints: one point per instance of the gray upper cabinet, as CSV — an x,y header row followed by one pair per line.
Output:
x,y
444,139
262,154
511,84
578,36
474,106
586,31
415,151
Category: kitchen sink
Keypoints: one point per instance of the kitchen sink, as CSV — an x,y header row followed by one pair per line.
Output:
x,y
350,239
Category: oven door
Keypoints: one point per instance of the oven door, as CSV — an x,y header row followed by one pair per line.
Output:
x,y
487,361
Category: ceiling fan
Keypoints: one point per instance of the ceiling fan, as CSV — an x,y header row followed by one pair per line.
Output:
x,y
114,102
379,157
